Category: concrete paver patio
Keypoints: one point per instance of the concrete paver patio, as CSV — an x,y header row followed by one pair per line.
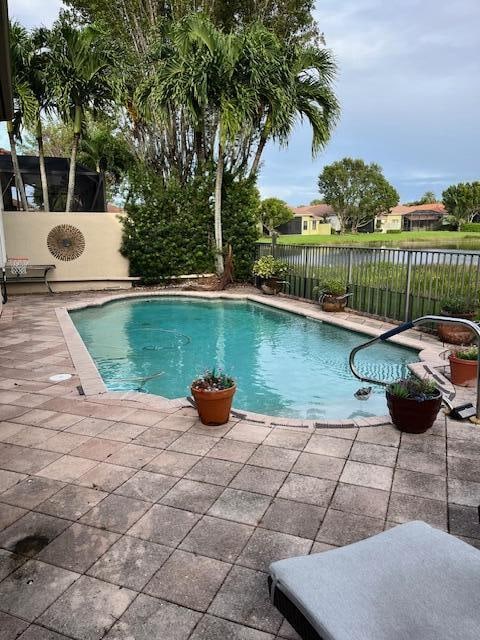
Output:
x,y
121,521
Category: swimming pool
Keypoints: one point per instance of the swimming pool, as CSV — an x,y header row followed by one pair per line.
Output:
x,y
285,364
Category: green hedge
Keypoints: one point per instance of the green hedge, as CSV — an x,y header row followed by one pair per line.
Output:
x,y
168,228
241,202
390,231
471,226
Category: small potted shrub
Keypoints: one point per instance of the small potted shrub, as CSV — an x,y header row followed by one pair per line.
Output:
x,y
413,404
457,307
271,272
332,295
213,393
464,367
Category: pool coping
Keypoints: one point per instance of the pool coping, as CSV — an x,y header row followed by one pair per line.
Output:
x,y
94,387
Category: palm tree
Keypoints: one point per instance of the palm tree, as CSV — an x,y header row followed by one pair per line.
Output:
x,y
186,81
37,78
233,99
78,75
428,197
257,76
229,92
202,73
23,99
106,152
301,89
234,88
32,69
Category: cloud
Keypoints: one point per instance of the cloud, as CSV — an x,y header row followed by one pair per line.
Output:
x,y
34,13
419,176
286,192
408,91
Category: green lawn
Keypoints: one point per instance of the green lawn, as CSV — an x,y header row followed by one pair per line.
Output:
x,y
427,238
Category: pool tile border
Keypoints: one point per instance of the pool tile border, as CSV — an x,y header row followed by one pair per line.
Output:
x,y
95,389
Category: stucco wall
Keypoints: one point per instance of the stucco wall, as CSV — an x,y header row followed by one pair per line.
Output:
x,y
321,228
390,223
100,266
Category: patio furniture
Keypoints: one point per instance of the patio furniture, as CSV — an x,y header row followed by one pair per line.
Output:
x,y
30,273
412,582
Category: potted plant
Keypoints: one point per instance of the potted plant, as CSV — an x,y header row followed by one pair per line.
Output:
x,y
413,404
457,307
332,295
464,367
213,393
271,272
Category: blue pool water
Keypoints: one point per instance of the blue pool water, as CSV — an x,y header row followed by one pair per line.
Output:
x,y
284,364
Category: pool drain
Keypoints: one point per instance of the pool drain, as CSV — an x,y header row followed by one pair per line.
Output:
x,y
60,377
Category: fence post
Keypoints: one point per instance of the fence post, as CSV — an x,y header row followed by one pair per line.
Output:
x,y
274,235
477,275
408,286
349,273
305,273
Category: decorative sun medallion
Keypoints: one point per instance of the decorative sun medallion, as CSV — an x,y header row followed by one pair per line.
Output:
x,y
66,242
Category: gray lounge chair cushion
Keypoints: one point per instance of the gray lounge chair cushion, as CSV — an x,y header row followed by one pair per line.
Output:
x,y
412,582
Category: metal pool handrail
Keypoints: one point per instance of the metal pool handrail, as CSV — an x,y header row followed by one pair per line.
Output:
x,y
409,325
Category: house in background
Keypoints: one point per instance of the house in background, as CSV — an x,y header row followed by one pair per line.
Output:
x,y
311,220
320,220
419,217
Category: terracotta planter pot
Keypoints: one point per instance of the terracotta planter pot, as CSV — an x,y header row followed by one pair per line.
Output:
x,y
271,286
214,406
333,303
456,333
413,416
463,373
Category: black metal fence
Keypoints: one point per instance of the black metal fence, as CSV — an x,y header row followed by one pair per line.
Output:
x,y
396,284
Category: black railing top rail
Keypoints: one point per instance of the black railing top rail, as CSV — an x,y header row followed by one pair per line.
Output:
x,y
365,248
388,282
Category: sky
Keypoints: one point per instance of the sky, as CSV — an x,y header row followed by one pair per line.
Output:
x,y
408,84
